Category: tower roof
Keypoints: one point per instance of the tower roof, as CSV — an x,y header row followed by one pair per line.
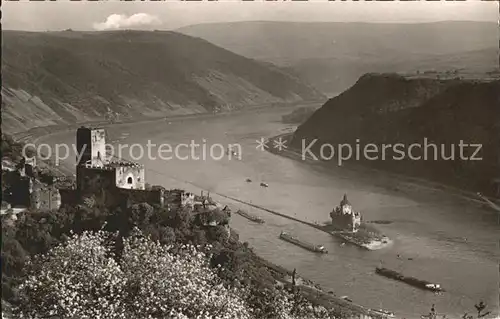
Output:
x,y
345,201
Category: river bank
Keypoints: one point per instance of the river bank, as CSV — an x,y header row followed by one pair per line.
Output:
x,y
45,130
427,229
311,290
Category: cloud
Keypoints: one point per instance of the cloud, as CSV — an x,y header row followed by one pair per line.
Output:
x,y
119,21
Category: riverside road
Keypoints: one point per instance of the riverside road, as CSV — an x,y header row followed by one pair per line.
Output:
x,y
436,236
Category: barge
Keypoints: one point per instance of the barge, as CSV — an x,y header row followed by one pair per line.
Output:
x,y
422,284
255,219
294,240
384,313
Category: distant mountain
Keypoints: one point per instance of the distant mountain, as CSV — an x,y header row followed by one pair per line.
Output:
x,y
67,77
332,56
386,109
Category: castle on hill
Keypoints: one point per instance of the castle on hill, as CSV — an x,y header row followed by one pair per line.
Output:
x,y
110,181
102,181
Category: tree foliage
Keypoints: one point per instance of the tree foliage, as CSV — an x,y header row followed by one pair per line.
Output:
x,y
83,277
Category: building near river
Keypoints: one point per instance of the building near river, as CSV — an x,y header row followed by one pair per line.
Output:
x,y
93,162
111,182
344,218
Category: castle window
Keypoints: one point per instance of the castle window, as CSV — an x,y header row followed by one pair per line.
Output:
x,y
129,180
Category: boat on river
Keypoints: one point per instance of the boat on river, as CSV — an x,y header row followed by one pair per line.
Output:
x,y
294,240
253,218
232,152
384,313
422,284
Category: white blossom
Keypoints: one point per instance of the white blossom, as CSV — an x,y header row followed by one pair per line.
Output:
x,y
82,278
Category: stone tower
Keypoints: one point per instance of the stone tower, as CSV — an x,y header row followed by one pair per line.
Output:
x,y
91,147
345,205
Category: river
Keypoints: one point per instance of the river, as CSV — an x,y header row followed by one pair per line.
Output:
x,y
451,241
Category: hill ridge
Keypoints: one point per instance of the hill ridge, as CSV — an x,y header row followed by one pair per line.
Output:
x,y
69,76
333,55
386,109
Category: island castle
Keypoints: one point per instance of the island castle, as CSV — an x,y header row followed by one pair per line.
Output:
x,y
344,218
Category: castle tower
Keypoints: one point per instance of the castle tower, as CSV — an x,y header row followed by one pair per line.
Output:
x,y
345,205
91,146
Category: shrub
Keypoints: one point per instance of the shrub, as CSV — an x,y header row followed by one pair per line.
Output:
x,y
84,277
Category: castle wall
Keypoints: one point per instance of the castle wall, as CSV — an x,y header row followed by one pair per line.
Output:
x,y
69,196
111,183
136,196
112,195
130,177
94,179
22,187
345,221
187,199
45,198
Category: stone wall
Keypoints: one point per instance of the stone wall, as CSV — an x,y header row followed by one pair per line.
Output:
x,y
69,196
45,198
345,221
94,179
21,190
136,196
114,196
130,176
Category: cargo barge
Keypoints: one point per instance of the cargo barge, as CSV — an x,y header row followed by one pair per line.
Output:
x,y
383,313
294,240
255,219
422,284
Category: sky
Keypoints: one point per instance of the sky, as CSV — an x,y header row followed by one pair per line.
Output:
x,y
171,14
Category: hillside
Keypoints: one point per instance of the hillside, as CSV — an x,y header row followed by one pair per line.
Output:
x,y
389,109
332,56
66,77
298,116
